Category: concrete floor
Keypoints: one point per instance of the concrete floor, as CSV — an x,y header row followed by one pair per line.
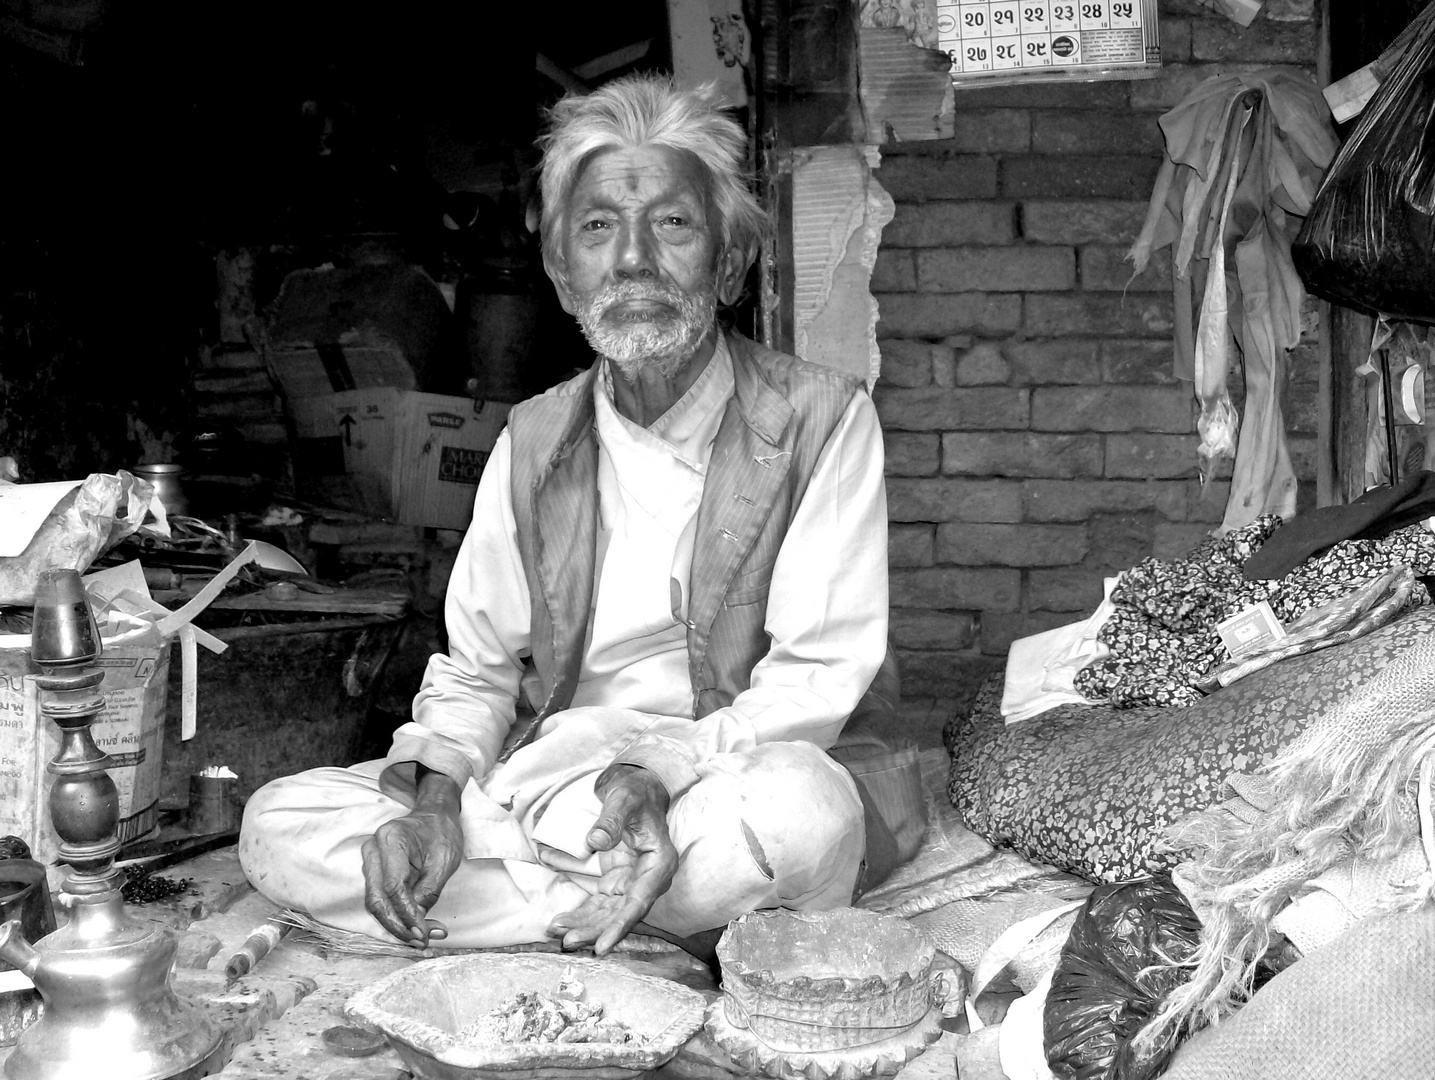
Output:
x,y
274,1019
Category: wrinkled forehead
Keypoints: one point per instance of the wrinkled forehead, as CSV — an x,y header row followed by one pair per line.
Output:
x,y
663,171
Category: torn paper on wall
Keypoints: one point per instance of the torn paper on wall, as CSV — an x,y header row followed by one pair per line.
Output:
x,y
916,19
1240,12
906,90
711,43
838,212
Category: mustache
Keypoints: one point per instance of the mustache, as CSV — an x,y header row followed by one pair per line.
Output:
x,y
623,291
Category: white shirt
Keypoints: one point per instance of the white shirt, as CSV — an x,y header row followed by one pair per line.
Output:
x,y
827,608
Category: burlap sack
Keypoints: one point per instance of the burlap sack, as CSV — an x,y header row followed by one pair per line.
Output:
x,y
1362,1008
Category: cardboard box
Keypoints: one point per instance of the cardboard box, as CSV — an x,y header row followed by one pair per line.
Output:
x,y
130,730
135,635
314,372
410,457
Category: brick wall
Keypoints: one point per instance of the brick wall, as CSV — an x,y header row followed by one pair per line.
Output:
x,y
1036,439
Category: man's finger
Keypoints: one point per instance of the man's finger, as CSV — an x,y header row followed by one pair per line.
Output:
x,y
376,899
616,931
610,938
566,921
618,807
575,934
580,928
427,888
396,867
606,832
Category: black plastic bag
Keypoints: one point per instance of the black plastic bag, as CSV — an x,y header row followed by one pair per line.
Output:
x,y
1116,968
1369,241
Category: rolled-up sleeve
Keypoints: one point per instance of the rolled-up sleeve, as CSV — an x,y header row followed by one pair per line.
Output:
x,y
827,616
465,705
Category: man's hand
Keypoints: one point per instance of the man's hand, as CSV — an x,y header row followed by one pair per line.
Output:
x,y
634,826
408,861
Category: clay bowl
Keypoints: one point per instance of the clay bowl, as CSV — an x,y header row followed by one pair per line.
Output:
x,y
421,1008
824,980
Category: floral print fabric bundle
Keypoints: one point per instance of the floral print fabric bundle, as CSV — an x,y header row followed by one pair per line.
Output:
x,y
1163,637
1091,790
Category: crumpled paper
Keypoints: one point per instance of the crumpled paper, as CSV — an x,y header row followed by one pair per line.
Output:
x,y
1240,12
94,517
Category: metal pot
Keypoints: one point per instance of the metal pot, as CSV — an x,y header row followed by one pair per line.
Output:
x,y
167,485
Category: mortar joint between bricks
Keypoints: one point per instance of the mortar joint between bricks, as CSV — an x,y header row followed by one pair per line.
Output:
x,y
1018,221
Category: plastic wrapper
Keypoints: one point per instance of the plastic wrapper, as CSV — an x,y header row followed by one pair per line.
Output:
x,y
93,517
1126,952
1369,241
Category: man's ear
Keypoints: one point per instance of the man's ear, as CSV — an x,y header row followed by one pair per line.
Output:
x,y
732,271
556,268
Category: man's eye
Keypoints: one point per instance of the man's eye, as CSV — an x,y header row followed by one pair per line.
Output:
x,y
594,225
675,221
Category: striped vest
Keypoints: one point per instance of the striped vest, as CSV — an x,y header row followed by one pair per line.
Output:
x,y
782,412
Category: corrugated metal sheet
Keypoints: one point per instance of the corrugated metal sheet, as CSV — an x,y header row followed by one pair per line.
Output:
x,y
838,211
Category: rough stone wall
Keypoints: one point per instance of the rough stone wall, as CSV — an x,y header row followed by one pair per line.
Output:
x,y
1036,438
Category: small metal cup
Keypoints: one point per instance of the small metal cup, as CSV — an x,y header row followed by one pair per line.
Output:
x,y
64,630
213,804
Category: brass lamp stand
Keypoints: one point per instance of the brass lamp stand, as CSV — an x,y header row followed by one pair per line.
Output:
x,y
110,1010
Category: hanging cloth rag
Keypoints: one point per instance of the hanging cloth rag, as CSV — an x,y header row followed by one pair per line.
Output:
x,y
1244,155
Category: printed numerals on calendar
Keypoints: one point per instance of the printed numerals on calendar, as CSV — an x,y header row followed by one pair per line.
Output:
x,y
1010,35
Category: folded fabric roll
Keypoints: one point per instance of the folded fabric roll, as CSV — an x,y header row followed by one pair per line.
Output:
x,y
1357,613
1314,531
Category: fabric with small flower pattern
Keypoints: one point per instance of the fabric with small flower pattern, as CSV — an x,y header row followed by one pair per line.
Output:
x,y
1162,635
1091,789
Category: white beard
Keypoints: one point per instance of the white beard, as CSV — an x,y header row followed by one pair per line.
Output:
x,y
648,342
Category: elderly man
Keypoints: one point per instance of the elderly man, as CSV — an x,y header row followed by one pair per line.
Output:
x,y
678,558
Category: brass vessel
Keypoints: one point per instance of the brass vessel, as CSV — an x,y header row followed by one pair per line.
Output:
x,y
110,1008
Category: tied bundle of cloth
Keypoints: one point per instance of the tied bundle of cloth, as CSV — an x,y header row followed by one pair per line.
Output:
x,y
1244,154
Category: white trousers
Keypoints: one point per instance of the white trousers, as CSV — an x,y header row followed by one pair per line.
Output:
x,y
778,826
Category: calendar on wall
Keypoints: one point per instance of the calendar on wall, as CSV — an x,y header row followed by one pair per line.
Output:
x,y
1019,40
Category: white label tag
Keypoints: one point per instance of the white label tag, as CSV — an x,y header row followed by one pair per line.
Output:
x,y
1251,630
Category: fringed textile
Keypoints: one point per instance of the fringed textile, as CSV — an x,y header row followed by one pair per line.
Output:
x,y
1354,789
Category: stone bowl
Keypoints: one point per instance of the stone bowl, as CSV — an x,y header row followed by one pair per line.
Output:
x,y
422,1008
824,980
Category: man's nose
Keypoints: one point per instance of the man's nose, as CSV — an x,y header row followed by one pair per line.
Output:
x,y
636,254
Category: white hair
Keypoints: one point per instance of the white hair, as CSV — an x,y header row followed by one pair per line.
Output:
x,y
649,110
